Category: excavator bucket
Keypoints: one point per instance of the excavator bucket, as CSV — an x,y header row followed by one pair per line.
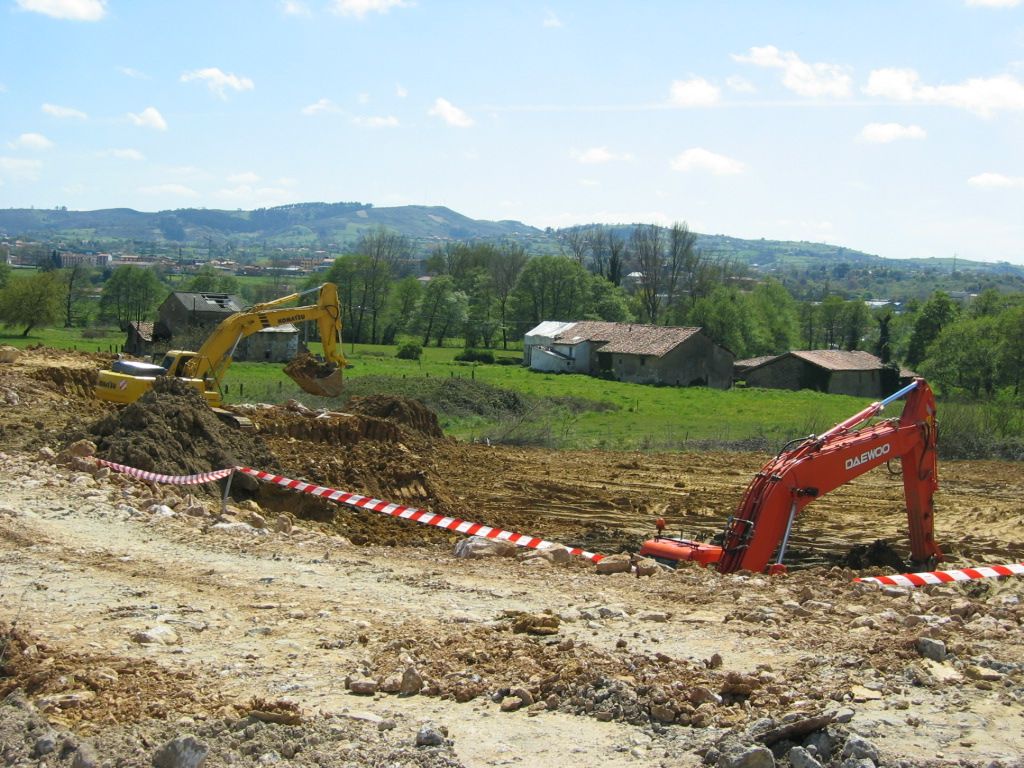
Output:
x,y
315,377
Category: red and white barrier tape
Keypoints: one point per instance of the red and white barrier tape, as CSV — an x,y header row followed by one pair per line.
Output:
x,y
361,502
154,477
417,515
945,577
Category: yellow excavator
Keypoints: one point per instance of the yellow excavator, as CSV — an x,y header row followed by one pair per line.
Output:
x,y
128,380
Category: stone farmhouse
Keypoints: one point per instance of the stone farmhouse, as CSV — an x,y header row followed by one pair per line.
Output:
x,y
833,371
188,318
642,354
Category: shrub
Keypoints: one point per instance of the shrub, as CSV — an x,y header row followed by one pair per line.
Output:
x,y
411,350
475,356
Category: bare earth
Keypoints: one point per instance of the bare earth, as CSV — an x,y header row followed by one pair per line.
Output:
x,y
132,615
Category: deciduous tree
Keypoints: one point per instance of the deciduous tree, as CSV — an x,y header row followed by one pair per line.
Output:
x,y
130,295
36,300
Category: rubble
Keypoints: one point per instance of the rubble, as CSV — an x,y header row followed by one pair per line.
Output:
x,y
138,616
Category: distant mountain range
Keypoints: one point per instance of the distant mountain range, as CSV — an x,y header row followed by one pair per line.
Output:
x,y
335,226
301,224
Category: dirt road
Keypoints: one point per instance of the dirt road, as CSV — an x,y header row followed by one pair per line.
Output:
x,y
295,632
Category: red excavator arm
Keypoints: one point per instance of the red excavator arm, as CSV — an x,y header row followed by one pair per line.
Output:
x,y
810,468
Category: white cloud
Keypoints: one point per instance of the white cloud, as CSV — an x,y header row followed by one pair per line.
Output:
x,y
55,110
31,141
174,190
596,156
996,181
321,106
359,8
696,92
75,10
149,118
590,183
994,3
740,84
18,168
983,96
819,79
363,98
551,20
884,133
451,114
898,84
295,8
133,73
218,81
400,91
375,121
123,154
699,159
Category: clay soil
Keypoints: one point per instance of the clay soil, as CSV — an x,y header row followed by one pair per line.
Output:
x,y
287,629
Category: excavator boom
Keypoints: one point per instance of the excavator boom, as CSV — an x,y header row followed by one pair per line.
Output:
x,y
808,469
216,354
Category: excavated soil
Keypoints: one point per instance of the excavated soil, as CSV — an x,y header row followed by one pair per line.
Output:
x,y
171,430
285,628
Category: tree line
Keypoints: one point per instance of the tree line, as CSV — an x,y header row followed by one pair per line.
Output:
x,y
488,295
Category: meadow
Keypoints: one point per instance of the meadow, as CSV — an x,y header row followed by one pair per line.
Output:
x,y
505,402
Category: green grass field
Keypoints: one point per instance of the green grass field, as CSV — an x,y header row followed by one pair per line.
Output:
x,y
509,403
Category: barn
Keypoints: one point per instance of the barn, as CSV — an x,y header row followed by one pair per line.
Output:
x,y
833,371
642,354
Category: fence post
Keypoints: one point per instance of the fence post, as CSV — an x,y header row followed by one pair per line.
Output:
x,y
227,491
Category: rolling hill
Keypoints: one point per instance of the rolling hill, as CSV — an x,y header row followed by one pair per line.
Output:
x,y
807,268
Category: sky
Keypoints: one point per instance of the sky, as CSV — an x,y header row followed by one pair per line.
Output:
x,y
894,127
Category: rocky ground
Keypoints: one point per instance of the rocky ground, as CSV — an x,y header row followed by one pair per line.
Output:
x,y
145,625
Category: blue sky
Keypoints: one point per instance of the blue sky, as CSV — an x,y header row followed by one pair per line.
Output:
x,y
892,127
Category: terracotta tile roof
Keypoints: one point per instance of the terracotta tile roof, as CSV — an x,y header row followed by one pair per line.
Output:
x,y
627,338
840,360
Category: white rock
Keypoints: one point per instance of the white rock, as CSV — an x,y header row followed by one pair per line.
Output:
x,y
161,634
478,546
620,563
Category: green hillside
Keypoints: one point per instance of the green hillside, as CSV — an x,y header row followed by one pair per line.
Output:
x,y
805,268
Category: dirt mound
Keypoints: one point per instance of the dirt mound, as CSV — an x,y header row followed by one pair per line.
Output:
x,y
41,392
67,380
171,430
403,410
383,470
332,428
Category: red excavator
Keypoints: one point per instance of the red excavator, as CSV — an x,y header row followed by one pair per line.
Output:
x,y
808,468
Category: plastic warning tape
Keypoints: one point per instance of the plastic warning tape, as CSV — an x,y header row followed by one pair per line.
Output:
x,y
417,515
154,477
945,577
